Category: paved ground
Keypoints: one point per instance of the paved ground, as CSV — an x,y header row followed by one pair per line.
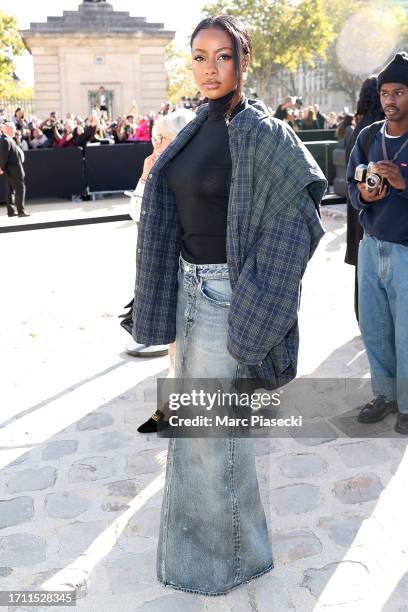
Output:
x,y
80,489
44,211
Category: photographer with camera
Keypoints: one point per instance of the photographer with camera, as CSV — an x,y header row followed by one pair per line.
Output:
x,y
66,139
83,133
49,127
377,176
127,128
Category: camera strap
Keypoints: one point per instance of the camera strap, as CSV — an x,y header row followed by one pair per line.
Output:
x,y
384,147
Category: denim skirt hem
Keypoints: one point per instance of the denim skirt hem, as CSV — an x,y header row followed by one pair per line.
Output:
x,y
212,594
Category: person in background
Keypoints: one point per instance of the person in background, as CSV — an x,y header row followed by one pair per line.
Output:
x,y
113,133
369,110
383,251
48,127
3,116
151,116
11,165
66,139
331,121
127,128
288,103
143,130
101,134
297,117
288,117
21,142
39,140
309,121
103,102
18,119
320,118
84,132
165,108
344,132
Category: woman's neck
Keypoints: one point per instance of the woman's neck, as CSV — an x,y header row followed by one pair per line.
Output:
x,y
218,107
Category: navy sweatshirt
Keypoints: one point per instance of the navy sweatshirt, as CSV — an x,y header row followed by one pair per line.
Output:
x,y
385,219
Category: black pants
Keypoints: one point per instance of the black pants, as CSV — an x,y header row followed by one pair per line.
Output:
x,y
15,192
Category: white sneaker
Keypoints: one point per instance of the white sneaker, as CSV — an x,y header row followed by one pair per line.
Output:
x,y
129,194
141,350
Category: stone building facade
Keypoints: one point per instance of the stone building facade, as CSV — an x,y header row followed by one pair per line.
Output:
x,y
311,84
75,54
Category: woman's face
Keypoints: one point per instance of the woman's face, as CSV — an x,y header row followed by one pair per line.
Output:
x,y
213,64
161,143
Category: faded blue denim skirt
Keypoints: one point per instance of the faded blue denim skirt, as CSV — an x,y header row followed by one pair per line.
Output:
x,y
213,531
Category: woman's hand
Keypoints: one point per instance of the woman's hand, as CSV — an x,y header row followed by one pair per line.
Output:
x,y
148,165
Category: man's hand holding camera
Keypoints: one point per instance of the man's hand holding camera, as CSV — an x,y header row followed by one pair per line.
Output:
x,y
392,172
373,180
372,195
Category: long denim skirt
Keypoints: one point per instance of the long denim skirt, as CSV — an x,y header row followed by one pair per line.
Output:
x,y
213,531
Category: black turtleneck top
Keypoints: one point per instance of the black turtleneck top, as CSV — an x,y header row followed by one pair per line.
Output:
x,y
200,177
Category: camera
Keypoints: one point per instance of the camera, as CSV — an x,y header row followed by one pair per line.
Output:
x,y
369,176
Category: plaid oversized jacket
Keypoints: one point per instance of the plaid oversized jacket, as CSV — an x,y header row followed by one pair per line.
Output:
x,y
273,228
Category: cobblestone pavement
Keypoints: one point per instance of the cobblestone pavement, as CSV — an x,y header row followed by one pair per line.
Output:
x,y
80,489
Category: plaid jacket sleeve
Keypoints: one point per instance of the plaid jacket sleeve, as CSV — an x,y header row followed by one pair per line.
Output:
x,y
158,249
265,301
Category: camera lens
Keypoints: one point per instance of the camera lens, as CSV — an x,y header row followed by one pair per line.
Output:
x,y
373,181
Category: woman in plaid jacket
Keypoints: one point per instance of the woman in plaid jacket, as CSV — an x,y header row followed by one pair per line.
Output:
x,y
229,221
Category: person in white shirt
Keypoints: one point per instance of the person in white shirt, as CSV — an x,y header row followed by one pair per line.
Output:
x,y
103,103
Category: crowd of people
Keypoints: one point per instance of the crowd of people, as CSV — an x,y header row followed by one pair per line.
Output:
x,y
32,132
72,130
309,118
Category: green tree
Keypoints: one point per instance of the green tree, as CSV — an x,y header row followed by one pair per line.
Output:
x,y
180,80
10,46
285,34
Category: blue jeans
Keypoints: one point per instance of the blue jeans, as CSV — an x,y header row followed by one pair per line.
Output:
x,y
213,533
383,308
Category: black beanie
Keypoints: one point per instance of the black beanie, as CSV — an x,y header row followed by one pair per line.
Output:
x,y
396,71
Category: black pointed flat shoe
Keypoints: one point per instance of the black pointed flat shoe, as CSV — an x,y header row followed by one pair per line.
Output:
x,y
151,425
